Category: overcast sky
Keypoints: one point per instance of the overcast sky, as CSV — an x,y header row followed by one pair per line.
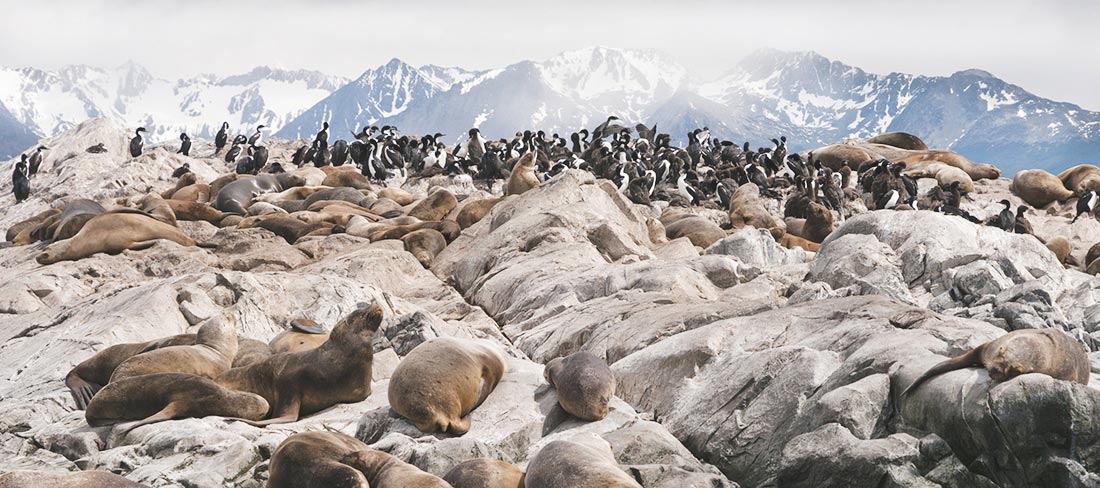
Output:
x,y
1047,47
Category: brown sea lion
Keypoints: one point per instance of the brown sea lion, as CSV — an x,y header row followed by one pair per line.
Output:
x,y
186,179
289,228
435,206
836,156
1046,351
584,461
584,384
334,460
1092,254
211,355
523,176
449,228
165,396
424,245
296,193
302,383
472,213
74,217
82,479
1039,188
484,473
199,192
25,226
701,231
250,351
976,171
1063,251
819,223
219,182
347,178
157,208
88,377
397,195
303,335
194,211
1081,178
235,197
944,174
747,208
901,140
790,241
441,381
113,233
312,176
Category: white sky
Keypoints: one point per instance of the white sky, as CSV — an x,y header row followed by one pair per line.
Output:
x,y
1047,47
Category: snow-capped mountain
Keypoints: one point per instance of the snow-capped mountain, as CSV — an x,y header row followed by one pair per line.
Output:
x,y
47,102
805,96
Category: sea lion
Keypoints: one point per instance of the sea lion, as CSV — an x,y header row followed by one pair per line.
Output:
x,y
901,140
289,228
81,479
235,197
397,195
303,335
296,193
523,176
88,377
113,233
350,195
1046,351
944,174
165,396
656,231
1081,178
584,461
220,182
211,355
449,228
435,206
1092,254
76,214
819,223
25,226
157,208
194,211
424,245
976,171
312,176
1039,188
199,192
186,179
1061,248
484,473
472,213
250,351
791,241
386,207
301,383
347,177
836,156
442,380
584,384
701,231
333,460
747,208
264,208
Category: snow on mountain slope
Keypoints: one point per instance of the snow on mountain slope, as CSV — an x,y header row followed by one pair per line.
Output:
x,y
49,102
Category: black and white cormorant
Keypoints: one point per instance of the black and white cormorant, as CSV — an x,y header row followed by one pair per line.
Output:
x,y
35,160
221,138
136,143
1086,204
255,137
21,185
185,144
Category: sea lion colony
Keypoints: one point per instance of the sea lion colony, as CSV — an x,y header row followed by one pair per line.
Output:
x,y
324,190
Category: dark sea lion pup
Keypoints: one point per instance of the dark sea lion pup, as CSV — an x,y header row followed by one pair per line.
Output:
x,y
158,397
301,383
1047,351
88,377
584,384
335,460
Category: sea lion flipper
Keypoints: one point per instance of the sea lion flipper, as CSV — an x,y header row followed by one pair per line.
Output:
x,y
143,245
284,415
971,358
81,390
307,326
169,412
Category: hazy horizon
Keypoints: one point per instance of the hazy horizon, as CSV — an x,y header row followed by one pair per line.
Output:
x,y
1029,43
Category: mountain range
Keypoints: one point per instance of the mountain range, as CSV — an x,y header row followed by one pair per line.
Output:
x,y
803,95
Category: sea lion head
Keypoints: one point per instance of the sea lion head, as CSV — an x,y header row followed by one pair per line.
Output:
x,y
53,253
1010,362
364,321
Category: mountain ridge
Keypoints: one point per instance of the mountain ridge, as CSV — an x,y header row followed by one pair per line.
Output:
x,y
811,99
